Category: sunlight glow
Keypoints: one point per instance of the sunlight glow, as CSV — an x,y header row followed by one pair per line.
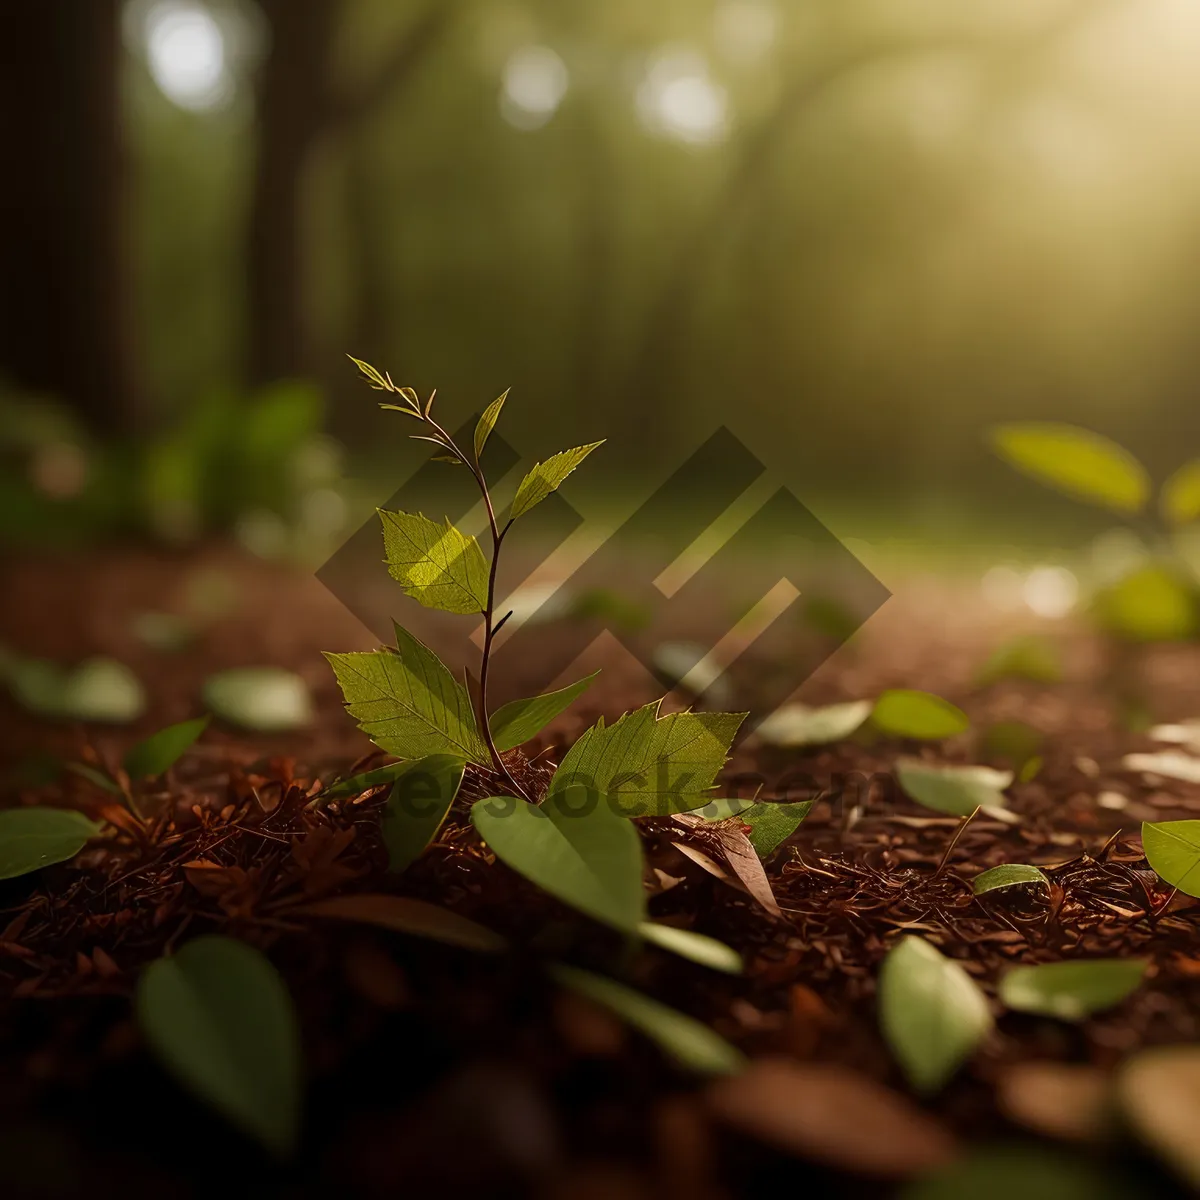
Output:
x,y
677,99
535,82
185,49
1051,592
745,30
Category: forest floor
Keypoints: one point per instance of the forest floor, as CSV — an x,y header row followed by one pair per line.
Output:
x,y
434,1071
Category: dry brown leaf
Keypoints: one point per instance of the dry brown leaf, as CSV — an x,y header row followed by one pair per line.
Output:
x,y
403,915
1058,1100
729,837
832,1116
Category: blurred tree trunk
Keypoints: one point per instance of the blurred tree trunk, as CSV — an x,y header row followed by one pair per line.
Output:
x,y
65,326
298,106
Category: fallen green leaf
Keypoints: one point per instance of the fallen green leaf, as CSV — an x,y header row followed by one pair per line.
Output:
x,y
1071,990
797,725
262,699
162,750
404,915
1075,461
932,1013
220,1019
1029,657
906,713
1008,875
706,951
686,1040
420,799
1173,852
516,723
957,791
587,857
31,838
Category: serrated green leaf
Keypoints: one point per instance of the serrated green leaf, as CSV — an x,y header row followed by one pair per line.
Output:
x,y
903,712
1071,991
686,1040
1173,851
401,914
1179,500
514,724
408,703
957,791
31,838
487,423
1075,461
547,477
262,699
797,725
647,765
436,564
932,1013
162,750
706,951
1028,657
772,824
1008,875
220,1019
420,799
583,855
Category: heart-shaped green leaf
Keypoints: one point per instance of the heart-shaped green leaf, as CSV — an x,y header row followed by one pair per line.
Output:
x,y
1075,461
1173,851
162,750
514,724
958,791
420,799
588,857
38,837
220,1019
797,725
706,951
1008,875
902,712
686,1040
1071,990
932,1013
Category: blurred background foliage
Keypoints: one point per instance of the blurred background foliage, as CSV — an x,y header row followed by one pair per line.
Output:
x,y
858,232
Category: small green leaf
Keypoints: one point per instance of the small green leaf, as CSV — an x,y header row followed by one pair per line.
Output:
x,y
1173,852
932,1013
220,1019
798,725
1179,500
1151,604
105,691
902,712
162,750
1158,1091
706,951
1008,875
371,375
487,423
515,723
404,915
647,765
691,1044
1075,461
547,477
262,699
31,838
1028,657
436,564
957,791
420,800
772,824
96,777
356,785
585,856
408,703
1014,741
1071,990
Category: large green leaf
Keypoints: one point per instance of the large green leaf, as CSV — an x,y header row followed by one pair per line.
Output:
x,y
1075,461
1179,500
37,837
1071,990
408,703
487,423
547,477
586,856
932,1013
954,790
436,564
517,722
903,712
683,1038
219,1017
1173,851
162,750
420,799
647,765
